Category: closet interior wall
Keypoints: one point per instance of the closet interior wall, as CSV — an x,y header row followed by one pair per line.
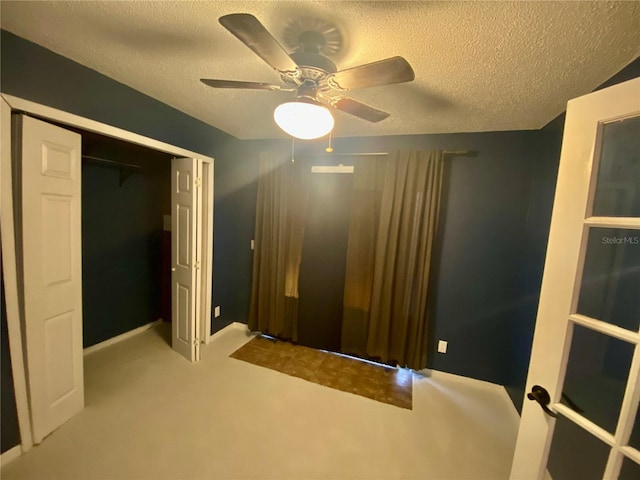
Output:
x,y
126,254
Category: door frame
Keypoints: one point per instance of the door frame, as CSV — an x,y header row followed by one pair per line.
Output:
x,y
11,104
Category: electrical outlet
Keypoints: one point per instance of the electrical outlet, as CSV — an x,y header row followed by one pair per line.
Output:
x,y
216,312
442,346
253,244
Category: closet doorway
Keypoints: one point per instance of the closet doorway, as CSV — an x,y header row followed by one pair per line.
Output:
x,y
46,317
126,191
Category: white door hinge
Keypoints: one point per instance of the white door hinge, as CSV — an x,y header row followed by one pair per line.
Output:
x,y
198,181
197,265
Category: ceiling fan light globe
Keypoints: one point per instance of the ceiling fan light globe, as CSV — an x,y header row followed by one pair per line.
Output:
x,y
303,120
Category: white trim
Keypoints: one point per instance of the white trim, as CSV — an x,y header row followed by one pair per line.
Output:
x,y
493,387
9,270
632,453
481,384
228,328
614,222
97,127
10,455
119,338
595,430
606,328
208,247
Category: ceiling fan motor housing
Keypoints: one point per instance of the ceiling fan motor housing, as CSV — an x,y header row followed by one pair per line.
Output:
x,y
313,66
311,41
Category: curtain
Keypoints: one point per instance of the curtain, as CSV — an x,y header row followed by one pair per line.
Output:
x,y
279,231
397,277
368,180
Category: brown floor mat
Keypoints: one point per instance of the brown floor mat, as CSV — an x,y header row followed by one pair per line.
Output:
x,y
384,384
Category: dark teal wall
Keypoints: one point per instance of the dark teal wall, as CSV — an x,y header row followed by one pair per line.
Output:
x,y
35,73
122,245
544,152
235,207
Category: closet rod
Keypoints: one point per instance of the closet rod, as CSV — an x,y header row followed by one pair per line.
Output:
x,y
111,162
374,154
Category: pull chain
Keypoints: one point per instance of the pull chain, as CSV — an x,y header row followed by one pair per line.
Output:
x,y
293,147
329,149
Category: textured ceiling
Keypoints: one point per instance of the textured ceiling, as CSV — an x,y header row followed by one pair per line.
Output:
x,y
480,66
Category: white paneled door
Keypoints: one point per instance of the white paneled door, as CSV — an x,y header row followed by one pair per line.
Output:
x,y
51,241
580,418
186,202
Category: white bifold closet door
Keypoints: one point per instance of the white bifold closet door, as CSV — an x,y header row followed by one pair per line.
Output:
x,y
186,203
50,163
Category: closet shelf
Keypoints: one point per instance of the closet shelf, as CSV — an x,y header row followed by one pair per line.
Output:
x,y
126,169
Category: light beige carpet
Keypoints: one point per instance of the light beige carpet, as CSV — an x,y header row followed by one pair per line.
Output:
x,y
150,414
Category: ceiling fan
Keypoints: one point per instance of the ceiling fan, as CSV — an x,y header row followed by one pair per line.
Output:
x,y
312,75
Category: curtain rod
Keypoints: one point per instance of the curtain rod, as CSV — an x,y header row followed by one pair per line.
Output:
x,y
111,162
374,154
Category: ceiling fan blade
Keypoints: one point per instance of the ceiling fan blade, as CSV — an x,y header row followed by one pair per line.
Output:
x,y
252,33
384,72
360,110
245,85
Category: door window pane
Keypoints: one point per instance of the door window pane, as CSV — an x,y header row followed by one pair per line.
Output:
x,y
634,440
610,287
596,376
618,187
575,453
630,470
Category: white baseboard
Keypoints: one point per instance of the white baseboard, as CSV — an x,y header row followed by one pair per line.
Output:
x,y
10,455
493,387
231,326
512,407
119,338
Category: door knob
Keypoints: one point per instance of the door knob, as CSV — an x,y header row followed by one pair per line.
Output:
x,y
540,395
173,269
